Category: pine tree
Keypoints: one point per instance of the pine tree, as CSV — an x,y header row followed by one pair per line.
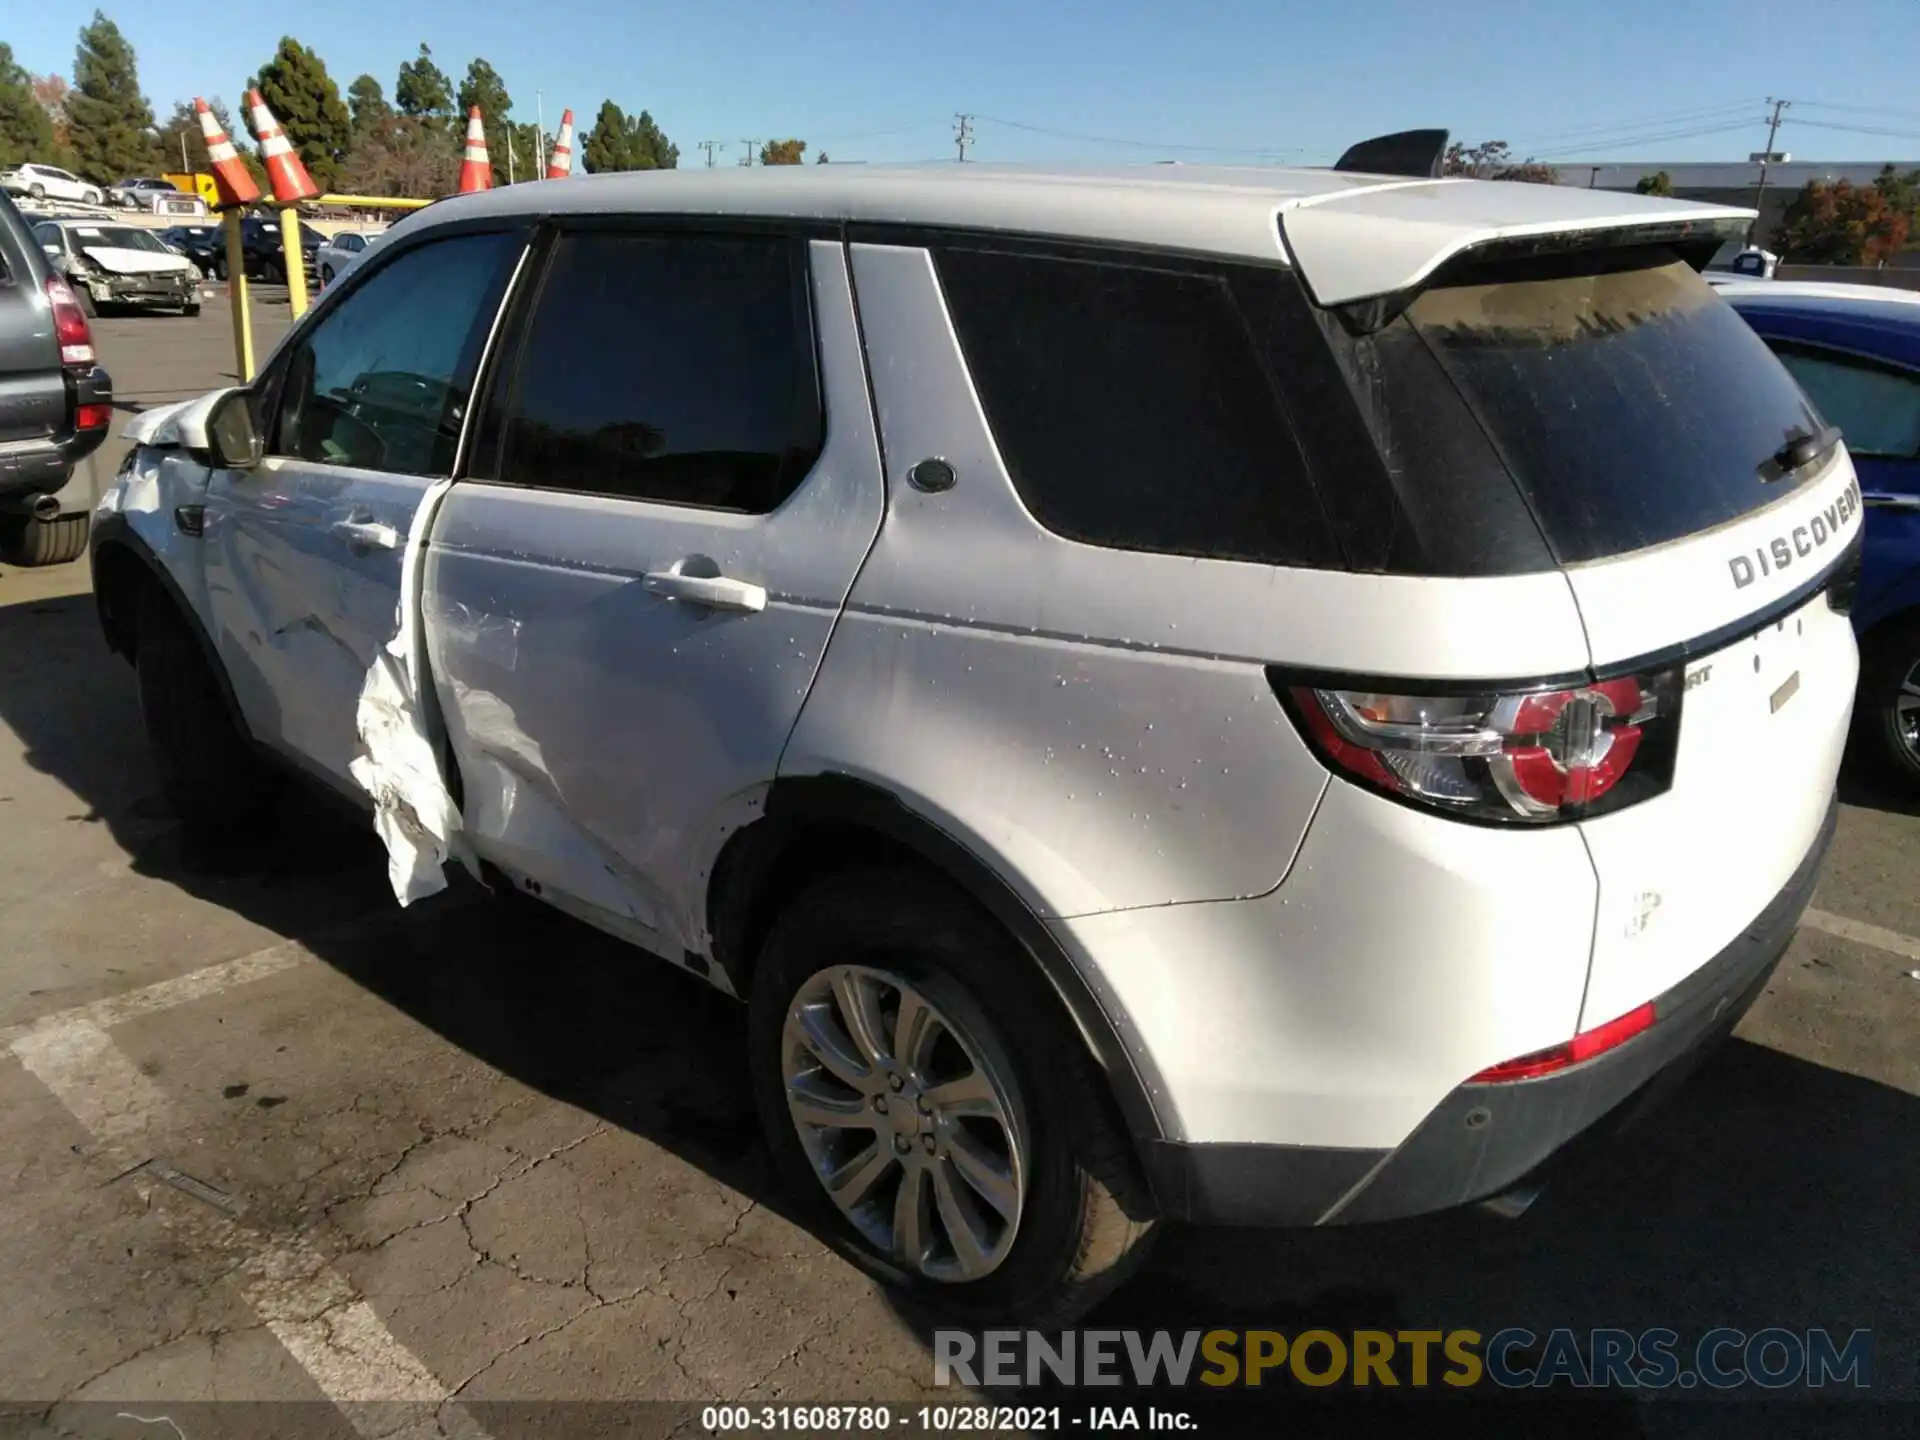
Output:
x,y
306,102
484,87
111,121
367,104
26,130
422,88
604,148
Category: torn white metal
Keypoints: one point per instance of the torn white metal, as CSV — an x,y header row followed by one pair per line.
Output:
x,y
413,812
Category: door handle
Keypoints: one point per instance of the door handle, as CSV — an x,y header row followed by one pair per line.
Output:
x,y
367,534
716,592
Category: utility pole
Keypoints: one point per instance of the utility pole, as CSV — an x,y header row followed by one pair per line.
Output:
x,y
710,146
753,148
539,135
962,134
1766,159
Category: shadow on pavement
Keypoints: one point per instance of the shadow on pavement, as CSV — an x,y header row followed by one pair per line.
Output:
x,y
1770,1192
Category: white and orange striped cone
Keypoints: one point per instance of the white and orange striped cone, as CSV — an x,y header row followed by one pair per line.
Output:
x,y
230,176
560,163
476,171
291,183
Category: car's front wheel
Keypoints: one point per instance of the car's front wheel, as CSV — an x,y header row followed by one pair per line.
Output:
x,y
37,191
1889,704
209,772
922,1089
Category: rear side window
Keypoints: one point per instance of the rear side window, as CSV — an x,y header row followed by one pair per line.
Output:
x,y
676,368
1131,406
1876,408
1631,404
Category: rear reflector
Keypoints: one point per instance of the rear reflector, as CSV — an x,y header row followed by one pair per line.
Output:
x,y
1584,1046
92,417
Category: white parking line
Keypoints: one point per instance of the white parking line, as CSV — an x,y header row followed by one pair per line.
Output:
x,y
1862,933
314,1310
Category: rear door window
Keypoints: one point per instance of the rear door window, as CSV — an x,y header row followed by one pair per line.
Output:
x,y
1631,404
1876,406
1131,407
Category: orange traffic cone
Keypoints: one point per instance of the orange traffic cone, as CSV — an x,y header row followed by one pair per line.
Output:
x,y
291,183
230,177
560,163
476,171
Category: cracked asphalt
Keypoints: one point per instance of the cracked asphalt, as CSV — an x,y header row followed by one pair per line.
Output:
x,y
509,1169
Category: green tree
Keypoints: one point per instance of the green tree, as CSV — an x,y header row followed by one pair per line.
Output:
x,y
422,89
26,130
484,87
111,122
366,104
1658,183
1902,192
297,88
619,141
782,152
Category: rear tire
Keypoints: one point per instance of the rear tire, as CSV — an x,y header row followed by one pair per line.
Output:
x,y
208,770
190,310
30,543
1082,1222
1888,710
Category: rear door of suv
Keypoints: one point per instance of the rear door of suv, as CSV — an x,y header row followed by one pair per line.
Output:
x,y
671,487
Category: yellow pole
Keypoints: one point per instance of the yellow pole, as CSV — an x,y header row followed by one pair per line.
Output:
x,y
237,292
296,261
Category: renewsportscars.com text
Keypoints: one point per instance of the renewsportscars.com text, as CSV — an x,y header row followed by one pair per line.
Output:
x,y
1774,1358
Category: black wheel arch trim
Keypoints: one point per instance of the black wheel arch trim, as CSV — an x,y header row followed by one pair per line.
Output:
x,y
1132,1077
113,533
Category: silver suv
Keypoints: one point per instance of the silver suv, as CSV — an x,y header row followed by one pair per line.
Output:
x,y
1267,697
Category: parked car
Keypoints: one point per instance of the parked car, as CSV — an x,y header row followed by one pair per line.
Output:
x,y
265,253
202,244
336,253
155,196
1858,359
59,403
1224,695
112,264
46,182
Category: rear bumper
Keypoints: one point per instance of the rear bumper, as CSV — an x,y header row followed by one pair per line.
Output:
x,y
41,467
1482,1140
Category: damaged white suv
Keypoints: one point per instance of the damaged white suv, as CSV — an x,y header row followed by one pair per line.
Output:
x,y
1266,697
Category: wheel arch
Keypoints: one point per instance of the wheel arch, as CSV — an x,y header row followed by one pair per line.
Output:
x,y
816,826
126,570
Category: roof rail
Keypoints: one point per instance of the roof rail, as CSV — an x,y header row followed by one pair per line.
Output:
x,y
1405,152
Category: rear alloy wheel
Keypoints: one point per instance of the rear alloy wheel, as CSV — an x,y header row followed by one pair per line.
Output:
x,y
1889,707
925,1094
30,543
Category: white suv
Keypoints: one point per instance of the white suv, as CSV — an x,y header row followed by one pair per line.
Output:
x,y
1260,697
47,182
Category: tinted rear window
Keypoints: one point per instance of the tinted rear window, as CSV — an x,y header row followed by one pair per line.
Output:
x,y
1631,404
1131,407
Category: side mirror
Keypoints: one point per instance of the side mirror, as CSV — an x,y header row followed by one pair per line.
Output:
x,y
231,437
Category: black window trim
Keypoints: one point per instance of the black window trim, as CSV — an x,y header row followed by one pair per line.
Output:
x,y
498,385
263,391
1820,350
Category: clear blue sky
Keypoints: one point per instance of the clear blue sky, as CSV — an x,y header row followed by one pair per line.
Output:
x,y
880,80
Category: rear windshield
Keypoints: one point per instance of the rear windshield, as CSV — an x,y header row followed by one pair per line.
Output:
x,y
1630,403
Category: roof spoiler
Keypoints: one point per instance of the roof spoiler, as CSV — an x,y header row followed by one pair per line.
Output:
x,y
1418,153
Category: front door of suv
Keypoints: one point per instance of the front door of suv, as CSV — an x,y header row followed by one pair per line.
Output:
x,y
363,411
628,595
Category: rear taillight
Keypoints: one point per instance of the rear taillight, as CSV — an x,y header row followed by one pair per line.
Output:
x,y
92,417
70,325
1584,1046
1518,757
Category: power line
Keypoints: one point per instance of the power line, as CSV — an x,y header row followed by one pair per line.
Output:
x,y
1648,122
1141,144
1630,140
1860,129
1859,110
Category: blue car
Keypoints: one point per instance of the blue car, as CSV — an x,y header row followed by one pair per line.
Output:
x,y
1858,359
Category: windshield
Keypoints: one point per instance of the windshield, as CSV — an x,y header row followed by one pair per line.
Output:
x,y
116,237
1630,403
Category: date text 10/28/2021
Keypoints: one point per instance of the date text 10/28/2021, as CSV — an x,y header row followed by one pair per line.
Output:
x,y
939,1419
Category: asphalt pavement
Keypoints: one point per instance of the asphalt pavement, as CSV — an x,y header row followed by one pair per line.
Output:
x,y
277,1157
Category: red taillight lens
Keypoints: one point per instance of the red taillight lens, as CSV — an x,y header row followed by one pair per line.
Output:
x,y
92,417
1584,1046
1517,757
70,325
